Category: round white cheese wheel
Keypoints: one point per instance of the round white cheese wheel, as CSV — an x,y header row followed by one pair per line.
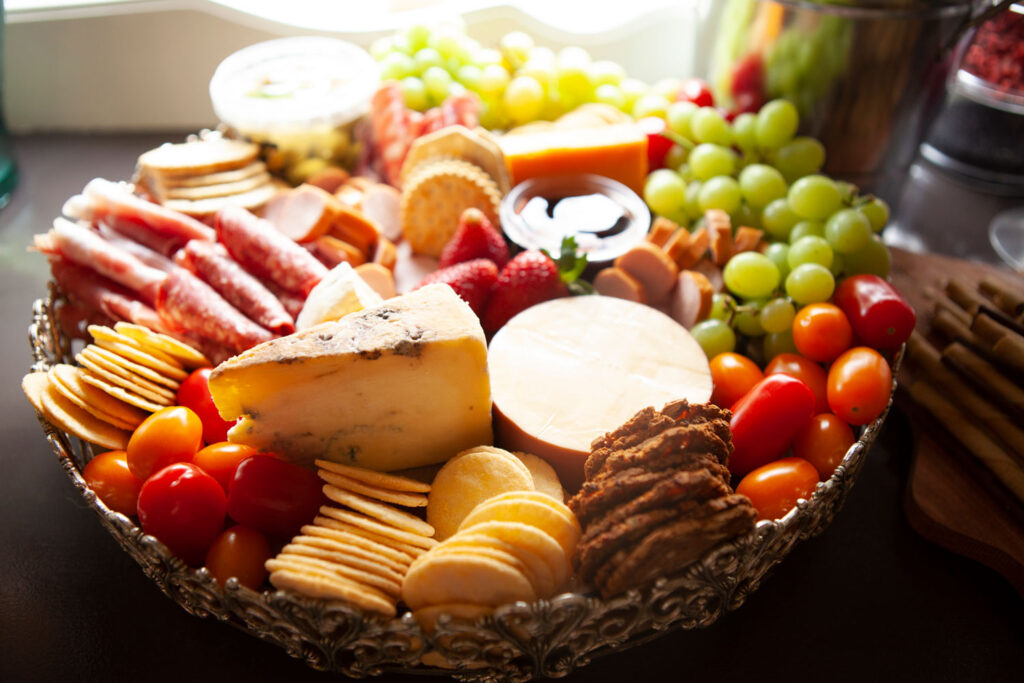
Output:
x,y
570,370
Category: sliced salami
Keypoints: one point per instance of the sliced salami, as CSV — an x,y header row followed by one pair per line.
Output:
x,y
191,304
266,253
211,263
92,290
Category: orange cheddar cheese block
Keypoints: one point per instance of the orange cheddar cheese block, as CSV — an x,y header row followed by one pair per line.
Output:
x,y
617,151
570,370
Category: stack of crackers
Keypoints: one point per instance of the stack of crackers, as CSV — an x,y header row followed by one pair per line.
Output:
x,y
127,373
359,551
200,177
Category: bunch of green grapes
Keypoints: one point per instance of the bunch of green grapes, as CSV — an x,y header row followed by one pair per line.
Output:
x,y
762,175
518,82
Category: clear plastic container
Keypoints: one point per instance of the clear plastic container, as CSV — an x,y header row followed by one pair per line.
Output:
x,y
302,95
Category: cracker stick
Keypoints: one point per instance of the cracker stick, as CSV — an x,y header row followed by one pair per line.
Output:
x,y
1008,300
986,376
944,303
964,296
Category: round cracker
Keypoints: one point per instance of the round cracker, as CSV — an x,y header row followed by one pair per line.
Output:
x,y
68,417
450,577
129,359
530,538
536,568
117,376
185,354
332,587
464,611
409,500
131,349
199,157
74,394
373,478
119,393
545,479
467,480
330,537
287,560
370,524
532,511
103,333
327,526
379,511
319,546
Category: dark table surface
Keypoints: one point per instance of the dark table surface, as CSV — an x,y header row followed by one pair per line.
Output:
x,y
867,600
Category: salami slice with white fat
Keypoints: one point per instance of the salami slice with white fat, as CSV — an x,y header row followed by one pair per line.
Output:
x,y
266,253
189,303
211,263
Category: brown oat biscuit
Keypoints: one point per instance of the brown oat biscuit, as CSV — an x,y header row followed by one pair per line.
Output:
x,y
665,449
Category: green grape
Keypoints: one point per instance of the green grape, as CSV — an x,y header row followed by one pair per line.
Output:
x,y
543,71
396,66
776,124
515,48
775,343
810,249
876,211
438,82
751,275
485,57
633,89
651,104
415,93
542,55
721,192
524,99
873,258
838,266
806,228
814,196
493,115
799,157
778,253
417,37
426,58
847,231
449,42
691,202
469,76
714,337
847,192
761,185
707,125
678,117
676,156
573,56
493,79
747,215
605,72
810,283
668,88
777,315
722,306
708,160
381,48
748,319
665,193
606,93
744,131
778,219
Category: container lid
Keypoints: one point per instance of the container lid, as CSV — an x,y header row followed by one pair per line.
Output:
x,y
294,83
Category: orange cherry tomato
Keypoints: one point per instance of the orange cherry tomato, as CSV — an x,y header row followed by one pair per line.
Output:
x,y
220,460
109,477
240,552
805,370
823,442
859,383
732,375
774,488
822,332
167,436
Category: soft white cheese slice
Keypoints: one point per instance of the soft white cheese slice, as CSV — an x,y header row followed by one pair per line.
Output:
x,y
341,292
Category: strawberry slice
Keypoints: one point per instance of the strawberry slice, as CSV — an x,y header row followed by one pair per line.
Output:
x,y
472,280
475,238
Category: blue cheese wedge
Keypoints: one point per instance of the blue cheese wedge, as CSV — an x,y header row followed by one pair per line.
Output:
x,y
398,385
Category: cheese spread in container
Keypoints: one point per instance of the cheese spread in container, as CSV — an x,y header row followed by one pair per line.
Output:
x,y
301,95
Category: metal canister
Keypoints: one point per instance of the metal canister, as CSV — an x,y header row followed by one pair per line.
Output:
x,y
866,75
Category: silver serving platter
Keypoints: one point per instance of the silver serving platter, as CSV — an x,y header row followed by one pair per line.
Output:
x,y
518,642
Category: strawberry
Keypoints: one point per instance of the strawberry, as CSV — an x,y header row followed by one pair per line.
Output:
x,y
530,278
472,280
474,238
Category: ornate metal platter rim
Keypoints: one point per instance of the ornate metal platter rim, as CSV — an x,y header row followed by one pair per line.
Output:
x,y
547,638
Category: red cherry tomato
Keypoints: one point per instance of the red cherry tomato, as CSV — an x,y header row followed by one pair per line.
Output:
x,y
859,384
821,332
194,393
167,436
775,488
732,375
658,145
184,508
109,477
239,552
220,460
823,442
274,496
697,91
879,314
765,421
805,370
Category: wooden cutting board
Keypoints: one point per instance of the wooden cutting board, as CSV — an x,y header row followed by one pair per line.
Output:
x,y
947,499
